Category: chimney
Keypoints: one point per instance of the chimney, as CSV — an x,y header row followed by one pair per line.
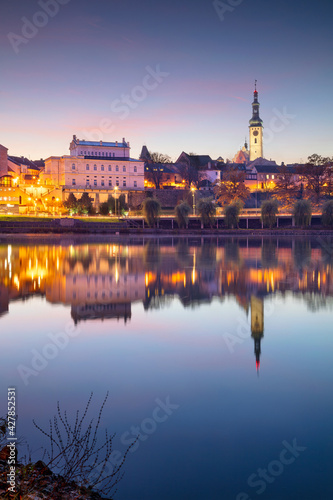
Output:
x,y
101,143
74,138
116,143
3,161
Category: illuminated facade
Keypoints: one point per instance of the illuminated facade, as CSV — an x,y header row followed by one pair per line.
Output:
x,y
97,167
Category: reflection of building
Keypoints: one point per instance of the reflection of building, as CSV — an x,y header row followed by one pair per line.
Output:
x,y
103,280
4,299
257,326
101,311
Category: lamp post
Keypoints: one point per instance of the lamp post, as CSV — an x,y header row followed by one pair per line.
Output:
x,y
115,199
193,197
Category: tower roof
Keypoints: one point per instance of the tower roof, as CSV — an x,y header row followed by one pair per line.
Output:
x,y
255,121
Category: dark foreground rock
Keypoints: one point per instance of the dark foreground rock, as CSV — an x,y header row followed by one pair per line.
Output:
x,y
38,482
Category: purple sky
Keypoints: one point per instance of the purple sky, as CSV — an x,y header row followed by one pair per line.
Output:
x,y
74,76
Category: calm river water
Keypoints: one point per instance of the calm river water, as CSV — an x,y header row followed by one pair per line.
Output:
x,y
218,352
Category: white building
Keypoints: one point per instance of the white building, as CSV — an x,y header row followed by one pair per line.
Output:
x,y
97,167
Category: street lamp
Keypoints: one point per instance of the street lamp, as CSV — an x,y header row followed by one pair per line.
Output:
x,y
193,196
115,199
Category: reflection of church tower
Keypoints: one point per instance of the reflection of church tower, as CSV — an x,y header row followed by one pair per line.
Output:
x,y
257,326
256,132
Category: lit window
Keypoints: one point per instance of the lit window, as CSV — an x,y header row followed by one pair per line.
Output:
x,y
272,176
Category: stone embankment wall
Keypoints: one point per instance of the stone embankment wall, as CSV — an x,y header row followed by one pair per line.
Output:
x,y
167,197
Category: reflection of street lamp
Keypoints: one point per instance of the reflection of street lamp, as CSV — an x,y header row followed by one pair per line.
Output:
x,y
193,196
115,199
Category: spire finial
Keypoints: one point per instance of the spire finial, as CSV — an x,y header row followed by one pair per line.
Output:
x,y
255,84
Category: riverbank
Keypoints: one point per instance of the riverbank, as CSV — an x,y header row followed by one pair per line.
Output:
x,y
166,226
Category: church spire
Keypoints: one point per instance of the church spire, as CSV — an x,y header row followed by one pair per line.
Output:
x,y
256,128
255,121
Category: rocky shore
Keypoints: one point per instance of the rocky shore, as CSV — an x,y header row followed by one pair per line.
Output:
x,y
38,482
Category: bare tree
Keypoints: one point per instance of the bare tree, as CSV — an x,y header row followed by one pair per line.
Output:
x,y
154,168
314,173
77,454
232,186
285,187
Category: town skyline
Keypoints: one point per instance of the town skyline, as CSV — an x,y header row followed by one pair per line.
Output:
x,y
173,78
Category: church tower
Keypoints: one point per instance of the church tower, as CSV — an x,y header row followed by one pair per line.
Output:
x,y
256,129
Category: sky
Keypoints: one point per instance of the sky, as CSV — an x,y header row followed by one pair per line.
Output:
x,y
175,76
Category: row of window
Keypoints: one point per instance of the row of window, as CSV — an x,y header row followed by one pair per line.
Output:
x,y
104,278
103,295
104,182
97,153
103,169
